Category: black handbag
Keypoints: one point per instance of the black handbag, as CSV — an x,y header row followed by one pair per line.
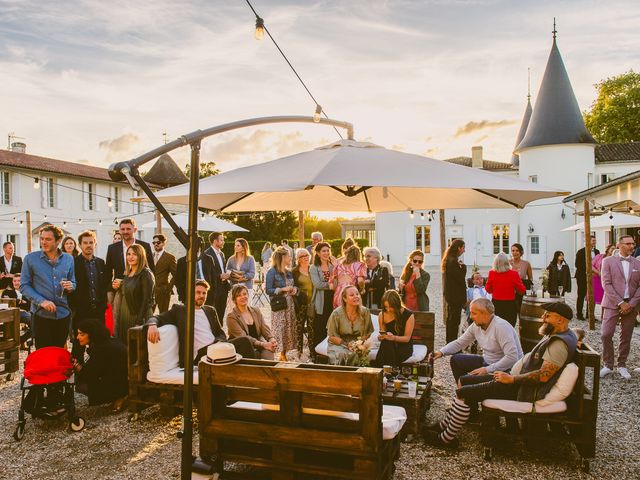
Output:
x,y
278,302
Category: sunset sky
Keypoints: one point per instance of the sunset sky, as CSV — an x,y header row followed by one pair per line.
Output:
x,y
98,81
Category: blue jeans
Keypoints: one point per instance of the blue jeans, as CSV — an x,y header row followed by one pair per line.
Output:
x,y
463,363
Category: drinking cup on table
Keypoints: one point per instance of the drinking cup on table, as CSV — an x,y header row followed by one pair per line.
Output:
x,y
387,369
397,385
413,389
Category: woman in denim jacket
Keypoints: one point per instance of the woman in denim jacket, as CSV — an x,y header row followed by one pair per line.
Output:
x,y
279,281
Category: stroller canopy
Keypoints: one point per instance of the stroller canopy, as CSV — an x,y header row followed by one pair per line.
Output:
x,y
48,365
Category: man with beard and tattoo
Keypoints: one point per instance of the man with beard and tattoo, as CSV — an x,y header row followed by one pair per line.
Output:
x,y
541,369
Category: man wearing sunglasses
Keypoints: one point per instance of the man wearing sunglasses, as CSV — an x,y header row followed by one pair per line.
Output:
x,y
165,266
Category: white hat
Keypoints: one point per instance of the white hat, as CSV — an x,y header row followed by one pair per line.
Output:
x,y
222,353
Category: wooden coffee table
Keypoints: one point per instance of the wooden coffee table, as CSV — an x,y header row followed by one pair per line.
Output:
x,y
416,407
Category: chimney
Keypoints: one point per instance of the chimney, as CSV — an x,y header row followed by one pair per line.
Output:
x,y
19,147
476,157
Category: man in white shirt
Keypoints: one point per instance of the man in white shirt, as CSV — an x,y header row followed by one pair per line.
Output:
x,y
496,337
221,284
207,328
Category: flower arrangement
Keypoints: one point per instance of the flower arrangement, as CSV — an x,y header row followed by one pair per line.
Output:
x,y
361,350
544,279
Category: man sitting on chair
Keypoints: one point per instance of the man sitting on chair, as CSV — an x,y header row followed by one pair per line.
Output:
x,y
496,337
207,328
541,369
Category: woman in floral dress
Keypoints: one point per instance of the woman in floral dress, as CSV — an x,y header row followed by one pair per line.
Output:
x,y
279,281
349,271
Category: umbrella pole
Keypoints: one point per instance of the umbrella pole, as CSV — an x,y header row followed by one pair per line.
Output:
x,y
443,248
192,258
589,272
158,222
300,229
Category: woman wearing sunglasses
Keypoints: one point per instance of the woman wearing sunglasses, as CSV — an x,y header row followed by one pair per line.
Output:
x,y
414,282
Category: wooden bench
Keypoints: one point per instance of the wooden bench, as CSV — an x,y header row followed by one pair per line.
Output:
x,y
576,425
285,440
9,341
142,392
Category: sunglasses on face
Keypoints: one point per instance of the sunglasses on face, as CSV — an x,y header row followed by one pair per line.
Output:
x,y
157,243
417,261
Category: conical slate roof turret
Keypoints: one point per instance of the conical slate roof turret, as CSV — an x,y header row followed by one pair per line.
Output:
x,y
166,172
556,117
515,158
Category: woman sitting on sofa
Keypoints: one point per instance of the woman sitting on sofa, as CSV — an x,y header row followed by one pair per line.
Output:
x,y
347,323
246,321
103,375
396,328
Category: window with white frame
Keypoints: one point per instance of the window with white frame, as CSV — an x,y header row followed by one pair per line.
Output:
x,y
5,188
49,199
500,235
534,245
423,238
90,196
13,238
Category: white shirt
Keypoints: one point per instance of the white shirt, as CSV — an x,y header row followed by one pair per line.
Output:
x,y
157,255
625,268
202,334
220,259
7,263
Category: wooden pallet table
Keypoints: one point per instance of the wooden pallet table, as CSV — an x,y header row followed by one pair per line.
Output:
x,y
416,407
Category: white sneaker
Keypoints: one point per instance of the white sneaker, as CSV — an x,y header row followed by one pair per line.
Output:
x,y
604,371
624,373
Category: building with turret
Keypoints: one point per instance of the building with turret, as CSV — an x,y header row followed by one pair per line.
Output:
x,y
554,148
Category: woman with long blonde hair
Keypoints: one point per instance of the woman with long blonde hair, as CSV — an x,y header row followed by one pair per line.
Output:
x,y
134,293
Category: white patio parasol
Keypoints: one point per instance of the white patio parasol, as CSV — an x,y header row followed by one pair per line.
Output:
x,y
206,224
358,176
607,221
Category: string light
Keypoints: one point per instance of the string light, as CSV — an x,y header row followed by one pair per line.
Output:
x,y
317,114
36,183
259,33
21,223
64,224
411,214
109,202
421,215
79,221
100,222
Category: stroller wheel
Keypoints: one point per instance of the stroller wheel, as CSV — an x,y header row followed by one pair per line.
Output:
x,y
76,425
18,433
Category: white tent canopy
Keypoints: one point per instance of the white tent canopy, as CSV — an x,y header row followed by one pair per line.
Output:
x,y
606,221
206,223
358,176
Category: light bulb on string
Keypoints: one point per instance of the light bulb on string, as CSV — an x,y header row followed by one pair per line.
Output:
x,y
109,202
100,222
259,33
36,183
317,114
79,221
21,223
15,219
64,224
45,216
411,214
115,220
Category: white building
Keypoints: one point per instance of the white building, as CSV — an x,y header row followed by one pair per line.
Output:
x,y
553,148
73,196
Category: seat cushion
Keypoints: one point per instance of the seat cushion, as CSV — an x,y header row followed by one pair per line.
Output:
x,y
419,351
562,388
514,406
393,417
171,377
163,356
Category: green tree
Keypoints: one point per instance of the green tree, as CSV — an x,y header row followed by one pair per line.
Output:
x,y
614,116
267,226
330,228
207,169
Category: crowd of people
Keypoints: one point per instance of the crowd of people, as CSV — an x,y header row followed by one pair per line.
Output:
x,y
64,290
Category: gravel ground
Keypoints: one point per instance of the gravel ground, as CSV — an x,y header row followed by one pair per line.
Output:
x,y
112,448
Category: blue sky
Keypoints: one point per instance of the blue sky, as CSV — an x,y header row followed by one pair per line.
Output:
x,y
99,81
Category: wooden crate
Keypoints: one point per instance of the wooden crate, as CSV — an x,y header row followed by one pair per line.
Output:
x,y
285,440
9,341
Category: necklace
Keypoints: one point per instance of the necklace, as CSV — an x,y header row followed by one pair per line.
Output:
x,y
352,317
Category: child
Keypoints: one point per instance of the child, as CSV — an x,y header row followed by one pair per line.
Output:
x,y
476,291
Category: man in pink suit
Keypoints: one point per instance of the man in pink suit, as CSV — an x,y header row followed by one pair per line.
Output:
x,y
621,284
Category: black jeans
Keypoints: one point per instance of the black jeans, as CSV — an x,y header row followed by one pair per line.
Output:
x,y
50,332
453,321
475,390
507,310
582,294
463,363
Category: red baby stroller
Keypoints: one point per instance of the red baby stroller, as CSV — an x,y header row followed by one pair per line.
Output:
x,y
47,370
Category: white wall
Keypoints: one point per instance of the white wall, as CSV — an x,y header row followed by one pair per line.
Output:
x,y
565,167
70,205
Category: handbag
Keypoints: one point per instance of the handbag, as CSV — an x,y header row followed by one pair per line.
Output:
x,y
278,302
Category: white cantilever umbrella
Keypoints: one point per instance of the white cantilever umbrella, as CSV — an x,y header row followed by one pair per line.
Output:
x,y
205,223
358,176
606,221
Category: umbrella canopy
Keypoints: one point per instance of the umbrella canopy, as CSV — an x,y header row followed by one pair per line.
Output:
x,y
358,176
205,223
606,221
